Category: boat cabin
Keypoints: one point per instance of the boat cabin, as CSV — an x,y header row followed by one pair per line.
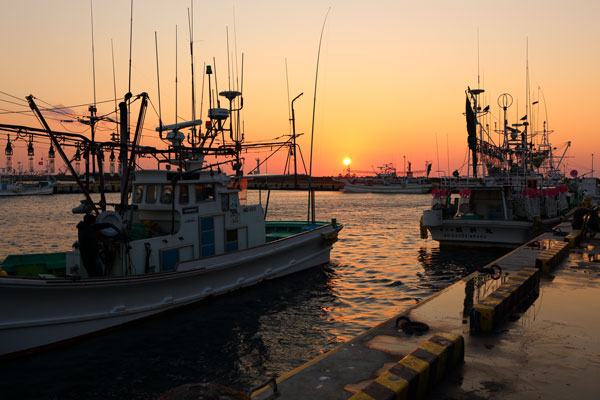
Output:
x,y
183,216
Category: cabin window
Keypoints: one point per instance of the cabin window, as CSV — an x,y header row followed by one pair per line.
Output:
x,y
166,194
204,192
138,192
151,194
207,236
225,202
184,194
231,240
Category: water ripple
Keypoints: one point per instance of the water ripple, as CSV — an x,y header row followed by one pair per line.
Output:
x,y
380,266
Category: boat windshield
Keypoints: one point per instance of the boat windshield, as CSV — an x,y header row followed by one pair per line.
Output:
x,y
166,194
138,193
205,192
151,194
184,194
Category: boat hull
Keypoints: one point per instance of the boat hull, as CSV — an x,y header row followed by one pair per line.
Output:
x,y
49,311
45,190
494,233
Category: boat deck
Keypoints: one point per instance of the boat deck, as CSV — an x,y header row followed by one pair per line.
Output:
x,y
547,347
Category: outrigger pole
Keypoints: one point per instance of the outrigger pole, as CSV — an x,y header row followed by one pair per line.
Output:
x,y
40,117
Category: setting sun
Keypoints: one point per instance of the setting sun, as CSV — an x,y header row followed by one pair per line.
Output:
x,y
347,161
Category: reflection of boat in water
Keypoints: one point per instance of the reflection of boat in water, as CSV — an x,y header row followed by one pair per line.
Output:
x,y
185,235
522,194
386,180
258,338
9,186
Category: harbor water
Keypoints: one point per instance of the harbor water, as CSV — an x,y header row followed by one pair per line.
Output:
x,y
379,267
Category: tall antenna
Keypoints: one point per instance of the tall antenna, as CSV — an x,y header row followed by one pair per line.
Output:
x,y
287,81
241,104
478,83
128,95
448,154
202,93
93,108
216,83
130,43
175,73
527,95
237,86
160,124
191,28
437,150
93,54
312,132
228,58
114,86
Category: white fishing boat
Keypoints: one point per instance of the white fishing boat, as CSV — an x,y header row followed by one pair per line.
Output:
x,y
518,194
386,180
591,188
184,235
9,186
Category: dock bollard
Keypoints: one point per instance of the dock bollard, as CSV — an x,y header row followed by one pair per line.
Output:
x,y
550,258
414,375
489,313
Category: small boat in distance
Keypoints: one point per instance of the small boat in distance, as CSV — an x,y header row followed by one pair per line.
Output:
x,y
518,193
10,186
386,180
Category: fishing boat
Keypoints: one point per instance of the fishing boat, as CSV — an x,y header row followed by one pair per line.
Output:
x,y
181,234
9,186
515,192
386,180
591,188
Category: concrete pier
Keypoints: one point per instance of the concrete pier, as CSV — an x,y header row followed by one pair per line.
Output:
x,y
542,341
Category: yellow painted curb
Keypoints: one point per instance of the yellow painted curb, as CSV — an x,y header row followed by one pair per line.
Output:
x,y
488,314
414,375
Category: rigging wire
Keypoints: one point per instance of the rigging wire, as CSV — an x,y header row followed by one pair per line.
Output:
x,y
14,97
12,102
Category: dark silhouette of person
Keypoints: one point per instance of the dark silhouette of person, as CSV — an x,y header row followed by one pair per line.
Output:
x,y
87,231
578,217
586,218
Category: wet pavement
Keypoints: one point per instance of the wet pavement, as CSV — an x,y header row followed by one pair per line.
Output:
x,y
549,349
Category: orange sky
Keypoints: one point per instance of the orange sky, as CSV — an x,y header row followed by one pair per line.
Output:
x,y
391,81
